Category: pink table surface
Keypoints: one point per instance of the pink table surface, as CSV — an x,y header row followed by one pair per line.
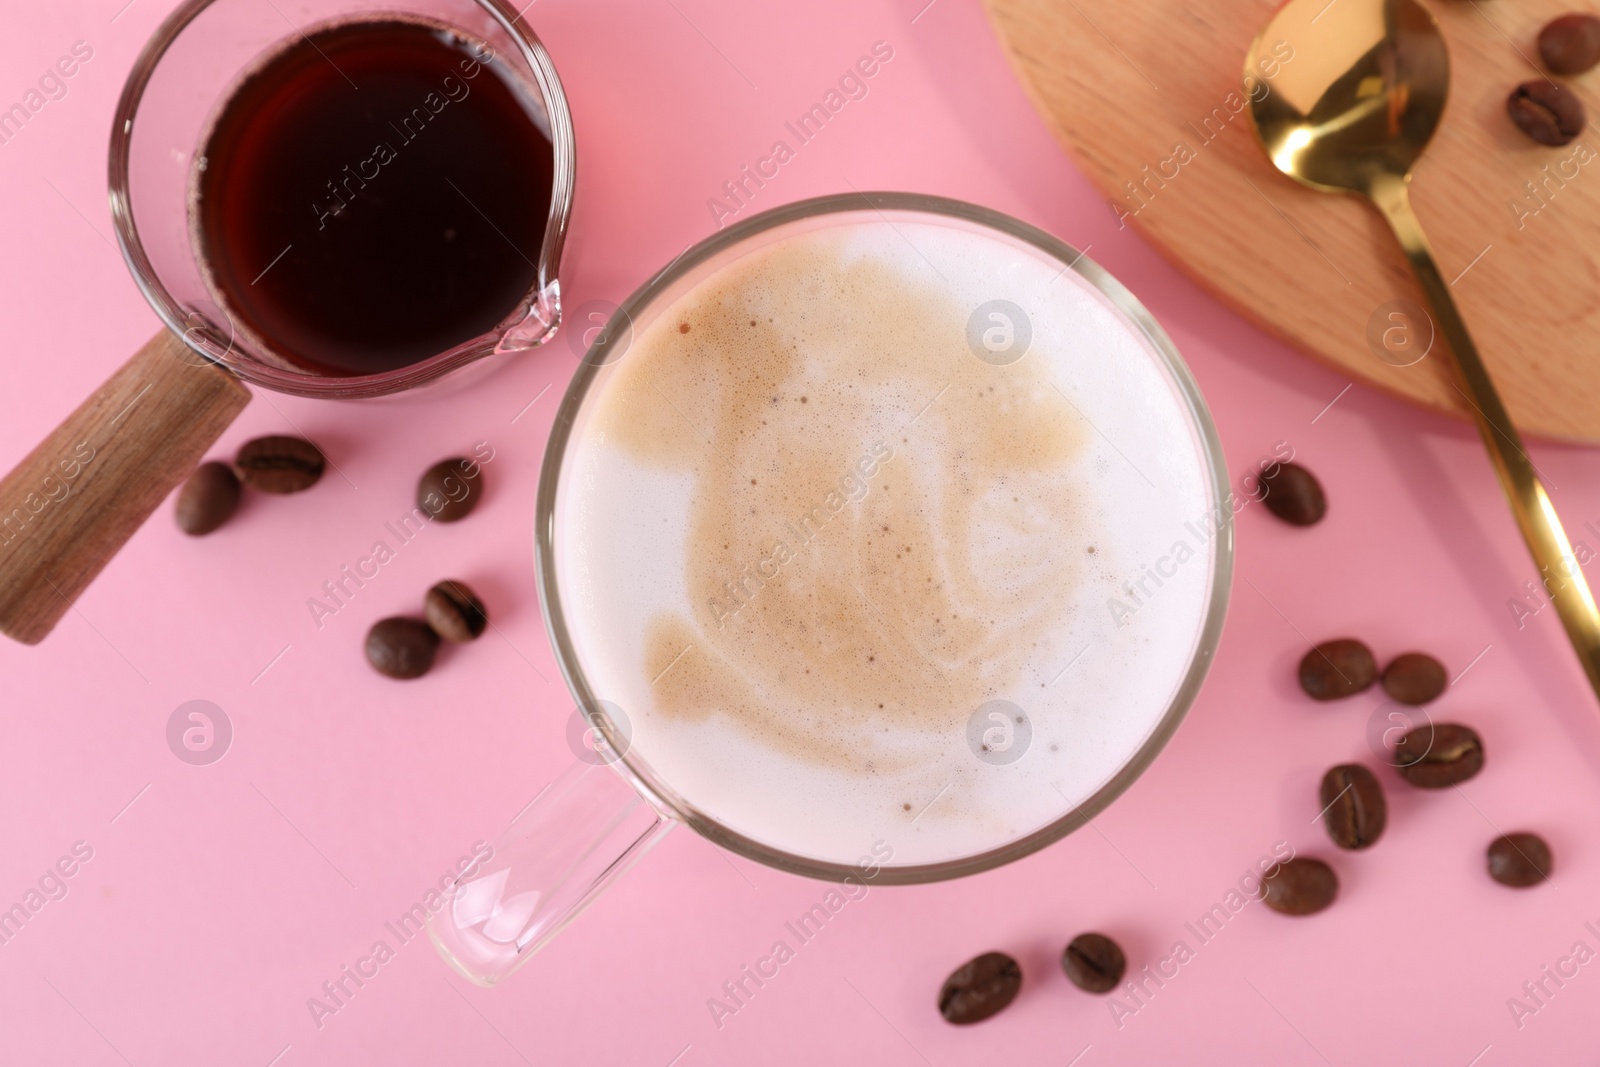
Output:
x,y
219,898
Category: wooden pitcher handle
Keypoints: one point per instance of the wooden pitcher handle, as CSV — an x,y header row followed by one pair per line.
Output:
x,y
76,499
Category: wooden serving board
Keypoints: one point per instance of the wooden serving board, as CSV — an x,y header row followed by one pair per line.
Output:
x,y
1130,86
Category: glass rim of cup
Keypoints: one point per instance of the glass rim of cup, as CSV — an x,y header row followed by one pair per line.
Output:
x,y
177,317
875,204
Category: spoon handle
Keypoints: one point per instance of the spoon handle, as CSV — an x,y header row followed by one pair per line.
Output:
x,y
1559,570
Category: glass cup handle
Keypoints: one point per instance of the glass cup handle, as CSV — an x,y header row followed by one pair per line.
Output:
x,y
568,844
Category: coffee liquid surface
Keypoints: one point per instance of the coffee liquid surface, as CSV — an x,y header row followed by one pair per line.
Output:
x,y
810,533
371,195
853,461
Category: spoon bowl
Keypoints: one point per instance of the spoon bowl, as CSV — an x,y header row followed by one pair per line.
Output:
x,y
1365,99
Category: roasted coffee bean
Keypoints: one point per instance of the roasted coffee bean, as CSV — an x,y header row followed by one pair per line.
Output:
x,y
1570,44
280,464
450,489
1519,860
454,612
1301,886
207,499
1549,113
1353,808
1293,494
401,648
1414,678
1094,962
1437,755
1338,668
979,988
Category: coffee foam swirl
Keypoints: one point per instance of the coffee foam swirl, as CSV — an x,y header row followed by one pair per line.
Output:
x,y
876,533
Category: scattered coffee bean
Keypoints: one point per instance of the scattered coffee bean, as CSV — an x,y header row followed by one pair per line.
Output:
x,y
1301,886
207,499
1414,678
1549,113
1293,494
280,464
1335,669
1519,860
979,988
449,489
1570,44
401,648
454,612
1354,810
1094,962
1437,755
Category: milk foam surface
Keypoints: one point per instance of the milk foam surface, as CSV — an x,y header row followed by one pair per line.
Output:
x,y
804,533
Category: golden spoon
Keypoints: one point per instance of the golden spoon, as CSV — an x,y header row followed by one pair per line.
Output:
x,y
1351,115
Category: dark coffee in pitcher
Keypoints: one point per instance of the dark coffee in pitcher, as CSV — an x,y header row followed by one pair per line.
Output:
x,y
373,193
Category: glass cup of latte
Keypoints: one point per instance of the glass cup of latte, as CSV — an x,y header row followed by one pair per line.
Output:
x,y
882,539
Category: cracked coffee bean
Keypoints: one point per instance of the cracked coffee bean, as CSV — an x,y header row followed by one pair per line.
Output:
x,y
1293,494
1570,44
1094,963
1301,886
280,464
450,489
1336,669
1549,113
401,648
1519,860
1439,755
979,988
1414,678
1354,809
455,612
207,499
